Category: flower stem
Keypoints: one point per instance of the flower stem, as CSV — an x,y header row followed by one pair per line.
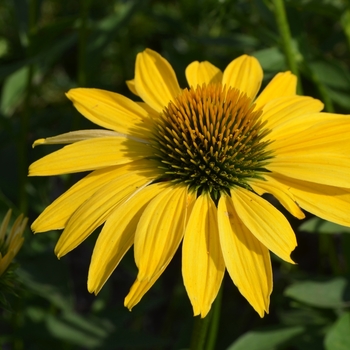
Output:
x,y
283,27
84,10
215,319
82,52
25,115
201,338
345,22
199,333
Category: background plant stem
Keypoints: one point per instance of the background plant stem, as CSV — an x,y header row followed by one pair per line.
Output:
x,y
283,27
205,329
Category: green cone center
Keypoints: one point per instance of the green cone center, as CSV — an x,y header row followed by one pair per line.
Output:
x,y
211,139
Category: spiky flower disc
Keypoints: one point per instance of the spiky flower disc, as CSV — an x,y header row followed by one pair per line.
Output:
x,y
211,139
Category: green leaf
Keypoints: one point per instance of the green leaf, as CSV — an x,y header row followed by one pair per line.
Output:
x,y
332,74
13,91
266,338
333,293
105,30
317,225
48,277
271,59
339,97
338,337
81,330
47,56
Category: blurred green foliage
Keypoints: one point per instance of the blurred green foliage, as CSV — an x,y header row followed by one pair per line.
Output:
x,y
50,46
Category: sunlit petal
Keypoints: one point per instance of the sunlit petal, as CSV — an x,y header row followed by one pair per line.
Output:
x,y
140,287
138,290
95,210
324,168
110,110
155,80
245,74
305,123
280,192
328,202
90,154
282,84
131,86
151,112
55,216
199,73
160,231
246,259
117,235
202,262
285,109
265,222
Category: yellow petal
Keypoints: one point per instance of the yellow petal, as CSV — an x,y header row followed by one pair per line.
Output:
x,y
109,110
140,287
4,225
155,80
323,168
326,136
199,73
76,136
246,259
160,231
202,262
5,261
95,210
290,128
117,236
55,216
151,112
191,200
327,202
282,84
285,109
138,290
90,155
245,74
265,222
319,154
131,86
280,192
15,236
13,240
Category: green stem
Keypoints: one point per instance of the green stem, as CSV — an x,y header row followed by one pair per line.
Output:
x,y
82,43
215,319
24,117
345,22
23,143
201,339
283,27
199,332
84,10
329,253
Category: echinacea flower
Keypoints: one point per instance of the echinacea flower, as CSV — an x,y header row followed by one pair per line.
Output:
x,y
190,165
10,242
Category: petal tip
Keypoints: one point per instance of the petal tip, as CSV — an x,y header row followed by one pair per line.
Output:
x,y
38,142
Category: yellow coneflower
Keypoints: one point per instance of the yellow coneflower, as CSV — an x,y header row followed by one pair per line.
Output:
x,y
190,165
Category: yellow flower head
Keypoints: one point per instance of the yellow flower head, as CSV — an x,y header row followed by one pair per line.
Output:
x,y
190,166
10,243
